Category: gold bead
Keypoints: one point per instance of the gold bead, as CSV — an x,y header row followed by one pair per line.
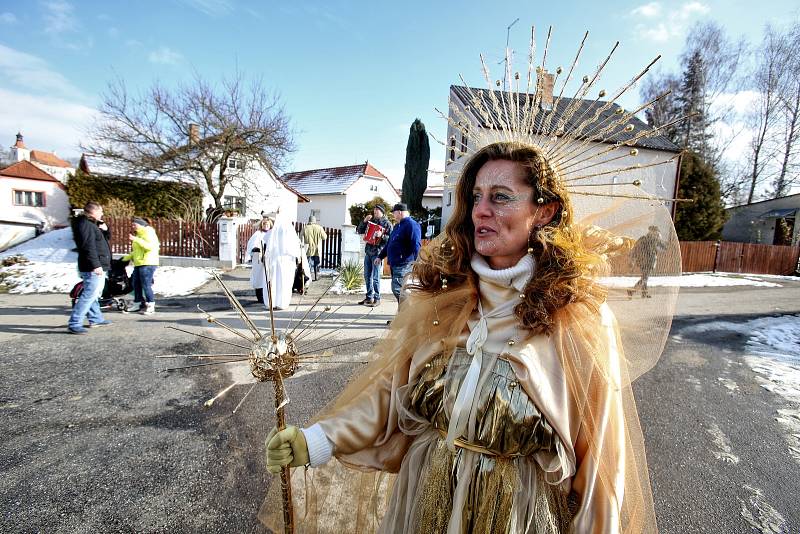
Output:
x,y
559,70
497,83
585,79
516,75
511,342
629,128
210,319
540,200
637,183
522,295
634,151
435,322
512,385
620,111
530,250
428,365
602,93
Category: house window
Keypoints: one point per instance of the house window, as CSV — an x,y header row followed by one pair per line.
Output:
x,y
464,140
234,203
452,149
29,198
373,187
449,198
235,163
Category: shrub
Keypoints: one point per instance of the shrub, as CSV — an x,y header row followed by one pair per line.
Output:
x,y
351,274
169,200
116,207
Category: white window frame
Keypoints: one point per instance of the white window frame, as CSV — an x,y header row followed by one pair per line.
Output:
x,y
28,194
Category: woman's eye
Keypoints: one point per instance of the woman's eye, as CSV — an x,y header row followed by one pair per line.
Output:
x,y
500,198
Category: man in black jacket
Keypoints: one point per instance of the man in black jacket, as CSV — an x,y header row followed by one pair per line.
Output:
x,y
94,258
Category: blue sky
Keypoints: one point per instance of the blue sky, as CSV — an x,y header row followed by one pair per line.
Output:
x,y
352,75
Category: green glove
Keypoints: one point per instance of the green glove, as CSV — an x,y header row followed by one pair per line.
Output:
x,y
287,447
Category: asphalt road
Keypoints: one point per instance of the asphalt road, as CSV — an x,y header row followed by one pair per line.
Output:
x,y
94,439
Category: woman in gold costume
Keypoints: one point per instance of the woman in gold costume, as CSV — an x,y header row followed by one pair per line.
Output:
x,y
500,400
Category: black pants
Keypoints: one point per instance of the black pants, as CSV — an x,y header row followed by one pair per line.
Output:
x,y
260,295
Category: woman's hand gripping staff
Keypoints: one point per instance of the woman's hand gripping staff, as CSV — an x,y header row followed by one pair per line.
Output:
x,y
287,447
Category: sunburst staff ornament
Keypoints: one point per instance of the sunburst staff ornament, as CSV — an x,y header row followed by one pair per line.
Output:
x,y
273,356
587,141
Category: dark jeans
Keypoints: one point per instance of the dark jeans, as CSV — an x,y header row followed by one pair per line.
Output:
x,y
313,264
398,274
143,283
372,277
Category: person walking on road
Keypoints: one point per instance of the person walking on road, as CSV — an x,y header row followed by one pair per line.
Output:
x,y
402,248
645,255
144,253
376,229
255,248
94,259
313,236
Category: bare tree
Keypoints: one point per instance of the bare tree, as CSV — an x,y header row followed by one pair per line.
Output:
x,y
789,172
763,119
207,133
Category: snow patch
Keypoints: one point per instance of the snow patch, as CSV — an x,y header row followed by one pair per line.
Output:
x,y
761,515
692,280
724,451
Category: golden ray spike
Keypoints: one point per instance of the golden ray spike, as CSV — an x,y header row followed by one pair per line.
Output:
x,y
307,329
531,57
593,136
311,351
211,319
479,98
208,337
312,341
635,197
577,132
554,138
583,91
218,396
492,96
601,162
621,170
168,369
249,391
336,278
222,355
236,305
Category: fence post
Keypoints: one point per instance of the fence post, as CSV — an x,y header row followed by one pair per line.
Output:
x,y
716,256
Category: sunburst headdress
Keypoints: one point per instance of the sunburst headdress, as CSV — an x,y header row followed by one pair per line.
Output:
x,y
590,144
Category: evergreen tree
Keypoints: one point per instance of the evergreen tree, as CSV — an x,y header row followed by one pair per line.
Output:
x,y
703,218
418,155
694,133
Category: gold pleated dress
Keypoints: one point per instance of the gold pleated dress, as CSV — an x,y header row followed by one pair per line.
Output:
x,y
494,481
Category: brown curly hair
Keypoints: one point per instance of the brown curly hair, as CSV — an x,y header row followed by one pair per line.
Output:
x,y
563,263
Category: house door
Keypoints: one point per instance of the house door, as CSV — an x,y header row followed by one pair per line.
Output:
x,y
784,230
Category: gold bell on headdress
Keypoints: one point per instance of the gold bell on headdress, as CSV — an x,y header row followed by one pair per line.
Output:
x,y
436,322
540,200
620,111
602,93
634,151
629,128
530,250
522,295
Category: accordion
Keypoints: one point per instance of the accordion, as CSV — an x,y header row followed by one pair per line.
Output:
x,y
373,234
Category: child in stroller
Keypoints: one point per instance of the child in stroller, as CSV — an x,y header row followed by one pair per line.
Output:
x,y
118,284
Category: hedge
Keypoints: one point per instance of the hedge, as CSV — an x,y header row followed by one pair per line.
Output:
x,y
168,200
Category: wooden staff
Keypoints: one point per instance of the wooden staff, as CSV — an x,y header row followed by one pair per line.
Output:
x,y
280,412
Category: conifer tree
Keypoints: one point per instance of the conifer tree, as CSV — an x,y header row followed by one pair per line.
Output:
x,y
703,218
418,155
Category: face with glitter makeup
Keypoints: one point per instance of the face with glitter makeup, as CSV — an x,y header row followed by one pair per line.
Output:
x,y
504,212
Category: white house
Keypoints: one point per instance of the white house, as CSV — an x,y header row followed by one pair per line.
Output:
x,y
252,191
660,181
332,191
30,201
47,161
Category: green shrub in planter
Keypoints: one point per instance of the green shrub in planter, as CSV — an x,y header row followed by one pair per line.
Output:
x,y
351,274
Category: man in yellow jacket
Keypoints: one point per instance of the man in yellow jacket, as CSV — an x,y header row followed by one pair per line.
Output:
x,y
313,236
144,253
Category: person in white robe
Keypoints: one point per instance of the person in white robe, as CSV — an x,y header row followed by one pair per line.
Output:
x,y
255,247
283,249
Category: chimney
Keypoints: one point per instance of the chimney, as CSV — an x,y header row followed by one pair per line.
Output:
x,y
194,134
546,89
19,143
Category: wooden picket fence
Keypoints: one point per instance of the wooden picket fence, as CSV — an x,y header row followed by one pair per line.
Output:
x,y
331,257
724,256
178,238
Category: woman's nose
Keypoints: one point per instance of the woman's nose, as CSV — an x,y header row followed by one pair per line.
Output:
x,y
481,208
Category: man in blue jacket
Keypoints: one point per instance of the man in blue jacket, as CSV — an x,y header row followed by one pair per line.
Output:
x,y
402,248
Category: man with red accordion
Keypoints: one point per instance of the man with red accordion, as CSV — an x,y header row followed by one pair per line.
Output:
x,y
376,229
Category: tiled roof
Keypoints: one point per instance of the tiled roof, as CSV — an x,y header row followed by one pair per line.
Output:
x,y
48,158
26,169
586,109
333,180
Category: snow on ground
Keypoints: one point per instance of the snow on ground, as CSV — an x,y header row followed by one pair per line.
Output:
x,y
696,280
53,268
773,352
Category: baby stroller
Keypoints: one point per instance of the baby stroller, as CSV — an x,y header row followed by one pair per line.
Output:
x,y
118,284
